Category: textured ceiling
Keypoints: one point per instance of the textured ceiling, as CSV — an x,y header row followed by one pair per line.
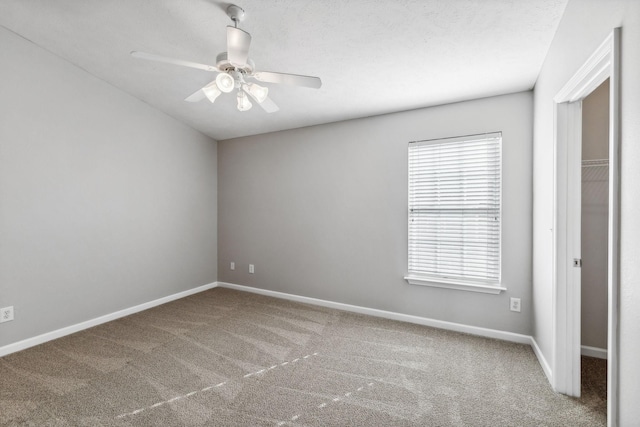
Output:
x,y
374,56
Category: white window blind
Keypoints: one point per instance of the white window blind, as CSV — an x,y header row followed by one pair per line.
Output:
x,y
454,209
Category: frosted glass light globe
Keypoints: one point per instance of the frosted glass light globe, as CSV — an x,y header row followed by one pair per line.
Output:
x,y
225,82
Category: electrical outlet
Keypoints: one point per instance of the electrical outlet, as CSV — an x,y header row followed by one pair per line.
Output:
x,y
251,269
232,265
515,304
6,314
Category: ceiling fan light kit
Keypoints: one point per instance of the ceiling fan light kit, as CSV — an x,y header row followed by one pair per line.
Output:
x,y
234,67
243,101
259,93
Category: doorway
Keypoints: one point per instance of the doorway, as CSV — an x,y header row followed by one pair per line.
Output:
x,y
567,233
593,248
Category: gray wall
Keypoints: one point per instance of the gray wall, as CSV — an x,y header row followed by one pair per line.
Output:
x,y
105,203
322,211
584,26
595,218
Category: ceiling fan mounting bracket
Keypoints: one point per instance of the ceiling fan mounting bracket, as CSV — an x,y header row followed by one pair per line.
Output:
x,y
236,13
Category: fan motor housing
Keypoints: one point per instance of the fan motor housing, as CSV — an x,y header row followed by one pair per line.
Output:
x,y
223,64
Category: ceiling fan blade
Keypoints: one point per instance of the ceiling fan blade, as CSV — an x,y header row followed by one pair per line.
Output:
x,y
167,60
238,42
268,105
196,96
289,79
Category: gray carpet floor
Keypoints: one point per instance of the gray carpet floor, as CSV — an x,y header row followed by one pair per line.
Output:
x,y
229,358
594,383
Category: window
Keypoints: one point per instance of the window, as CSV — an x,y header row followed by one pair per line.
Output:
x,y
455,212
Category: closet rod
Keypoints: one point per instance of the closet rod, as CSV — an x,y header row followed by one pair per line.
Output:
x,y
595,163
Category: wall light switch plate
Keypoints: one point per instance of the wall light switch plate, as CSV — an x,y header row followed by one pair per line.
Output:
x,y
6,314
232,265
515,304
251,269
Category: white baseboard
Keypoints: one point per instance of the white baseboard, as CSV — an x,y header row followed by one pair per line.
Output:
x,y
543,362
40,339
458,327
600,353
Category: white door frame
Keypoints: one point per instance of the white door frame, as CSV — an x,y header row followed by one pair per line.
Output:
x,y
603,64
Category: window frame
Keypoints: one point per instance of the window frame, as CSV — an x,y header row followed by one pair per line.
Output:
x,y
483,286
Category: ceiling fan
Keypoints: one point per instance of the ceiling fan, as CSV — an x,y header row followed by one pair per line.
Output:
x,y
235,70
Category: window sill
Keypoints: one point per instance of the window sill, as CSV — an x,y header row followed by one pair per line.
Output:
x,y
460,286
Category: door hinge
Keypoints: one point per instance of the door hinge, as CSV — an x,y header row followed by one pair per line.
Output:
x,y
577,262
